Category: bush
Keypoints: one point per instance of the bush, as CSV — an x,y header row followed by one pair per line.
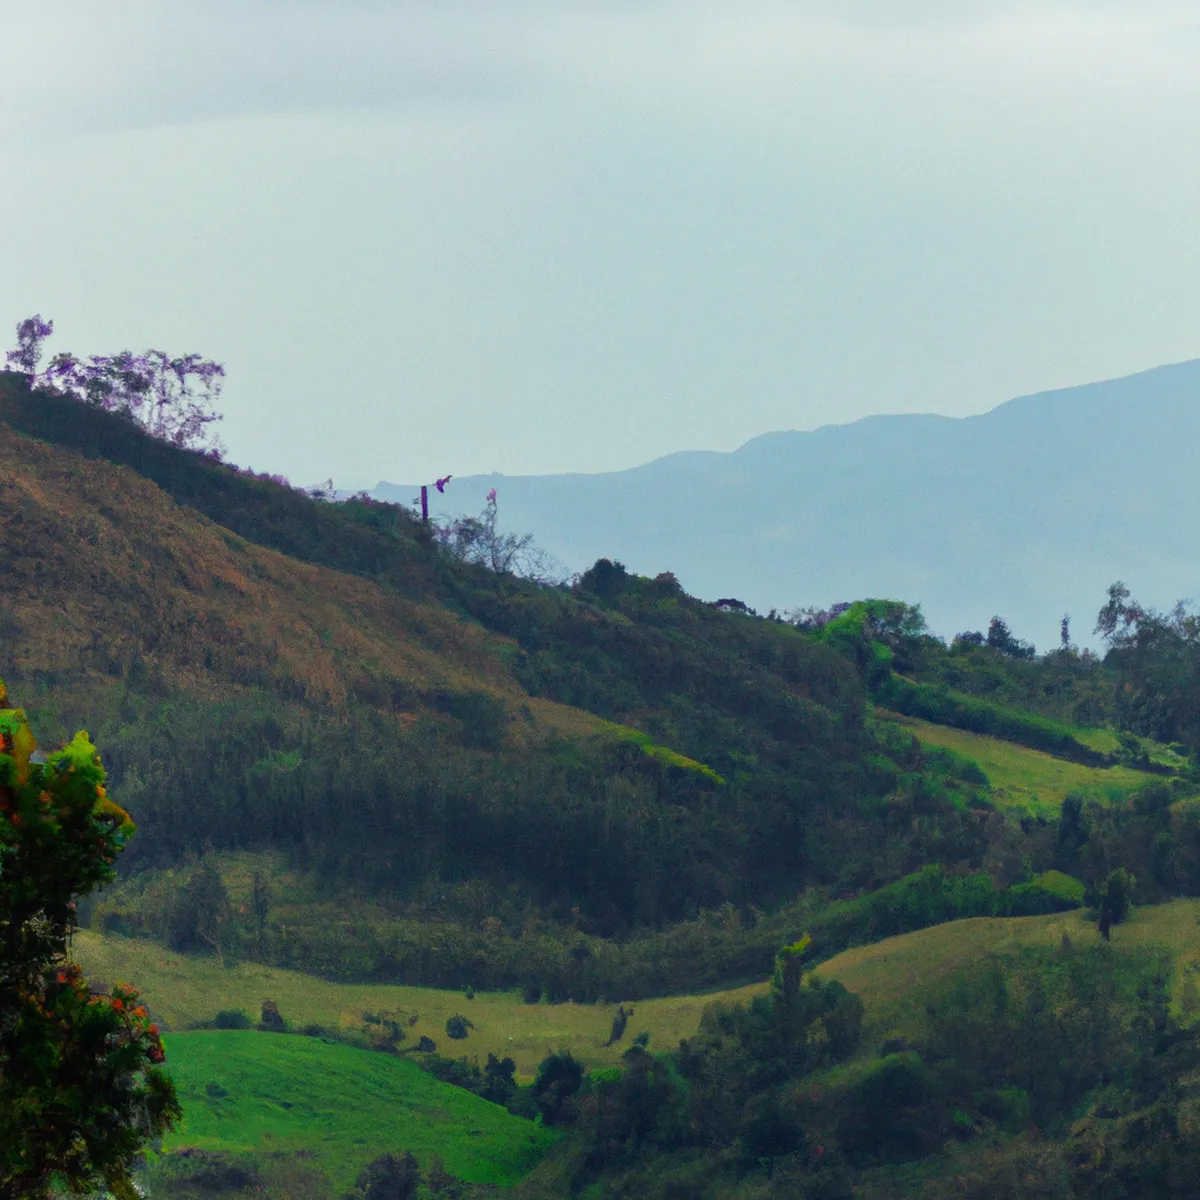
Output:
x,y
272,1021
559,1077
389,1177
232,1018
458,1026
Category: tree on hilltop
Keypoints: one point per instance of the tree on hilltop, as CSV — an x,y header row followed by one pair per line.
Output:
x,y
81,1092
1001,638
172,398
1158,657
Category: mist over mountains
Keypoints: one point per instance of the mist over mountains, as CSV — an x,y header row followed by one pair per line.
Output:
x,y
1028,511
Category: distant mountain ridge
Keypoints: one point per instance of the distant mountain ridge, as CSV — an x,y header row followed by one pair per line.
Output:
x,y
1029,510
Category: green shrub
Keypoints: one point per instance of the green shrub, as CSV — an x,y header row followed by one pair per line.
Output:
x,y
458,1027
233,1018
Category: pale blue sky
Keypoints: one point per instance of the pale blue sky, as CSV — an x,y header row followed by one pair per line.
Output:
x,y
544,236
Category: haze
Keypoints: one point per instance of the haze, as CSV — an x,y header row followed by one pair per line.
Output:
x,y
544,237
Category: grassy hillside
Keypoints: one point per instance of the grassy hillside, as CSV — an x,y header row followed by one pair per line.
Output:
x,y
403,728
184,989
249,1092
361,767
110,587
896,977
1026,779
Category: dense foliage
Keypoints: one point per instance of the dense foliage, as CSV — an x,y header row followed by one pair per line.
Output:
x,y
754,1105
79,1092
1158,658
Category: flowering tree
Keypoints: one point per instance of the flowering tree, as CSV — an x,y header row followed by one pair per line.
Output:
x,y
172,398
31,333
80,1088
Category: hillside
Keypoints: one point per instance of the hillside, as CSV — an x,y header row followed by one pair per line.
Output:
x,y
612,764
537,769
190,989
1030,510
981,1058
385,788
249,1091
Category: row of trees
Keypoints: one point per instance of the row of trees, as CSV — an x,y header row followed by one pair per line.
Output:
x,y
171,397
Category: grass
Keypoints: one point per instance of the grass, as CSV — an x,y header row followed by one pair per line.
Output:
x,y
184,989
248,1092
663,754
323,632
894,978
1024,778
1107,742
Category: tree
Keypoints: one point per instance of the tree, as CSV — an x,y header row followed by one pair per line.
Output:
x,y
199,913
389,1177
1114,901
499,1085
172,398
31,333
1158,656
80,1089
479,540
1001,638
559,1077
260,906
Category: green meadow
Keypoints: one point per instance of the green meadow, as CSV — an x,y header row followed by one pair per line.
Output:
x,y
250,1092
895,978
183,990
1024,778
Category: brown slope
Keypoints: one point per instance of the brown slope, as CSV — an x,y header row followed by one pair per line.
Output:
x,y
101,573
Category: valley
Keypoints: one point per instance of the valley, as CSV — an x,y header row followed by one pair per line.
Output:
x,y
593,888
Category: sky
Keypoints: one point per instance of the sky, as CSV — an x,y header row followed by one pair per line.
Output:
x,y
536,236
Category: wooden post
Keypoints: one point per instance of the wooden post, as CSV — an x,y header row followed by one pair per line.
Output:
x,y
424,502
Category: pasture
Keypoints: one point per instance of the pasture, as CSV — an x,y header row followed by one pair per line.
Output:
x,y
1024,778
250,1093
182,990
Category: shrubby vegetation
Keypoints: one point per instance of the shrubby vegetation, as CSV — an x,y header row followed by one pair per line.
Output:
x,y
80,1091
736,781
755,1106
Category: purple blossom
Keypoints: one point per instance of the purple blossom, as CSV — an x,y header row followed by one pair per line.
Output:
x,y
30,334
171,398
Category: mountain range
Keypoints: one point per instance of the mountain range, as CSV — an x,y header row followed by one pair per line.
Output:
x,y
1027,511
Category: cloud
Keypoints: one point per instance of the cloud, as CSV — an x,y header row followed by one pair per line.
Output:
x,y
681,222
75,67
83,69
